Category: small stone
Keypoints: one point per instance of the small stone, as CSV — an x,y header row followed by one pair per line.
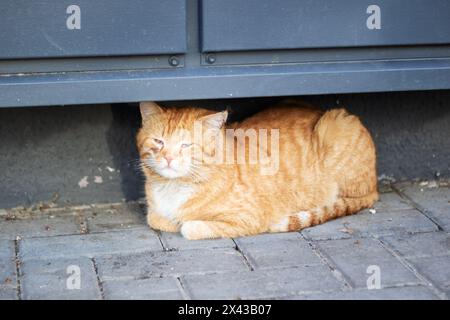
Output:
x,y
346,230
83,183
432,184
372,211
98,179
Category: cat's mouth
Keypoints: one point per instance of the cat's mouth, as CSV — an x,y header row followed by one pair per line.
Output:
x,y
168,168
169,172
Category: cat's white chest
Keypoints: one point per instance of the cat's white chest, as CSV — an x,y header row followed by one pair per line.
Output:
x,y
169,197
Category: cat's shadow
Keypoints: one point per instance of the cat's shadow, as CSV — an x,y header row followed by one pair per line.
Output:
x,y
121,139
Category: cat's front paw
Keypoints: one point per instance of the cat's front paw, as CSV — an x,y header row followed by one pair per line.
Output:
x,y
197,230
157,222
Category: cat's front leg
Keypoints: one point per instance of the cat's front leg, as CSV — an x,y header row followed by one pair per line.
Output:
x,y
158,222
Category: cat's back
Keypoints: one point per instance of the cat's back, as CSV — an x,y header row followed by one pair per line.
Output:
x,y
286,115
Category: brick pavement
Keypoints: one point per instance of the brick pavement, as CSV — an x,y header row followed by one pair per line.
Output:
x,y
405,238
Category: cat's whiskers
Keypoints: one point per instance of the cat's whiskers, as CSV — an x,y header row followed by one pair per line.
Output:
x,y
135,163
145,164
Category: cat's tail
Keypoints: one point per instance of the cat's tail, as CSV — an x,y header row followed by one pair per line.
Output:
x,y
335,134
342,207
347,152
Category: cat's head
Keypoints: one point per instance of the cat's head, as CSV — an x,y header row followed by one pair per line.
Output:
x,y
168,140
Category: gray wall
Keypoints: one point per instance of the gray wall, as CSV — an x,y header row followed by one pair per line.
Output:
x,y
45,152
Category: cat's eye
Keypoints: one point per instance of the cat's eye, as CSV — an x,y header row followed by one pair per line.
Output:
x,y
158,142
186,145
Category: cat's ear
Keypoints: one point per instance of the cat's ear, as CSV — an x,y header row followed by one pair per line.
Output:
x,y
149,108
215,120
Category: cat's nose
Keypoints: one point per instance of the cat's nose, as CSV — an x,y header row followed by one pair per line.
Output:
x,y
168,159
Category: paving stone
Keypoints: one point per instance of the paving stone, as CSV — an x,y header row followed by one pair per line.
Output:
x,y
133,265
386,220
7,293
90,245
7,264
391,201
126,216
40,227
420,245
175,241
261,283
435,200
429,253
401,293
158,263
436,269
47,279
277,250
384,187
331,230
353,257
365,224
6,248
143,289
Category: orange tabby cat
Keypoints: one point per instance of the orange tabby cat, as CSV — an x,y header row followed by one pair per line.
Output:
x,y
323,168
